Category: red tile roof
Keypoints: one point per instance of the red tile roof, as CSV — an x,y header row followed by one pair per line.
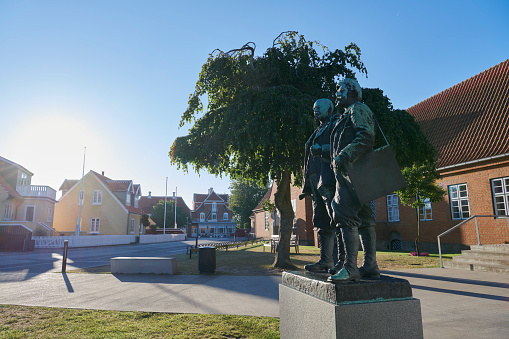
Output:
x,y
265,197
67,184
119,185
470,120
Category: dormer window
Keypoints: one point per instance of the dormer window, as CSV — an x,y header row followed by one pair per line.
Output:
x,y
128,199
202,217
225,216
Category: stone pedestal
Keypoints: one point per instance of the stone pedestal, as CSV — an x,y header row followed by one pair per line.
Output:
x,y
311,307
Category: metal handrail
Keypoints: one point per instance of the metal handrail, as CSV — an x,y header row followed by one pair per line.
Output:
x,y
462,223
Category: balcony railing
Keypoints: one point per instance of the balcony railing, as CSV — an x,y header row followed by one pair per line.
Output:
x,y
37,191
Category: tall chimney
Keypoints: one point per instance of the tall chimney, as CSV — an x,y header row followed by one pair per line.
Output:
x,y
149,194
102,173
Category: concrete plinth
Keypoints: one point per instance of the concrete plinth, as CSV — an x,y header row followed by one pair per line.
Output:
x,y
311,307
147,265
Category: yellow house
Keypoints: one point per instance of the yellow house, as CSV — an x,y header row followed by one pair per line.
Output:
x,y
108,207
21,203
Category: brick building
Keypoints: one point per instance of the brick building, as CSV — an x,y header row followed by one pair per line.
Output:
x,y
265,224
211,215
468,124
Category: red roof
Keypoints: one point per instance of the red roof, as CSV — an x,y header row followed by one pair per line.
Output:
x,y
119,185
265,197
470,120
67,184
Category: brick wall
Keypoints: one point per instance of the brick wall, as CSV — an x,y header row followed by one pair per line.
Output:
x,y
478,179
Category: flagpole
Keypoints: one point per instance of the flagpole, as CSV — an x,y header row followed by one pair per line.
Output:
x,y
80,198
175,207
165,197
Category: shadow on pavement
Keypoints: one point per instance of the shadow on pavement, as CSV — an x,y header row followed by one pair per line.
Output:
x,y
449,279
463,293
262,286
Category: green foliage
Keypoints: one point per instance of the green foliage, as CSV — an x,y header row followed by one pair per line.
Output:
x,y
244,197
407,141
145,220
259,112
421,184
158,215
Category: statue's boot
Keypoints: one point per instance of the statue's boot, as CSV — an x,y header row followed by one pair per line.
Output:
x,y
341,253
326,239
349,272
369,268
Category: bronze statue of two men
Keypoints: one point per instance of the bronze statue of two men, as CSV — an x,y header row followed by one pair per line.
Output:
x,y
338,215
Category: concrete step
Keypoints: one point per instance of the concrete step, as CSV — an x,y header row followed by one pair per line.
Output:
x,y
484,260
477,267
476,254
491,248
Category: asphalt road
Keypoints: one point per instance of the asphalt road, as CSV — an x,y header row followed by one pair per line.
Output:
x,y
50,260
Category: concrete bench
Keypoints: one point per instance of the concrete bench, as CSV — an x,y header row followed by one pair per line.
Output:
x,y
146,265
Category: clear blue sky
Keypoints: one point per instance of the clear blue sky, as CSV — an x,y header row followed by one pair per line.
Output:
x,y
115,76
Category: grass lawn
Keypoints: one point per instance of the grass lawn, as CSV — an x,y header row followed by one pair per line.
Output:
x,y
43,322
251,260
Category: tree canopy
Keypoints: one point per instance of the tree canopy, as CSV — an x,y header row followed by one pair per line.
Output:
x,y
421,187
158,215
244,196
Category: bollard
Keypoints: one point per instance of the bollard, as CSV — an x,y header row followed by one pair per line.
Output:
x,y
64,258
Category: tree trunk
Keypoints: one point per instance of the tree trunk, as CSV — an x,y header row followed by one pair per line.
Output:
x,y
282,199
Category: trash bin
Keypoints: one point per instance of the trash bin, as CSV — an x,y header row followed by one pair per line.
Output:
x,y
207,259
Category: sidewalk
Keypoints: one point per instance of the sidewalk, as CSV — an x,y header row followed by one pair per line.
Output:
x,y
454,303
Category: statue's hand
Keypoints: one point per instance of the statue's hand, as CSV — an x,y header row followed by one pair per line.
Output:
x,y
303,195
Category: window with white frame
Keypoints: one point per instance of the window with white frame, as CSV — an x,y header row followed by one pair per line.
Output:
x,y
132,225
128,199
458,197
266,220
214,217
500,191
214,207
80,198
393,207
50,214
8,212
425,211
225,216
97,198
202,217
136,201
94,225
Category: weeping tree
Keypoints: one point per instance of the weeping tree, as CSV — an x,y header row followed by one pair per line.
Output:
x,y
259,115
